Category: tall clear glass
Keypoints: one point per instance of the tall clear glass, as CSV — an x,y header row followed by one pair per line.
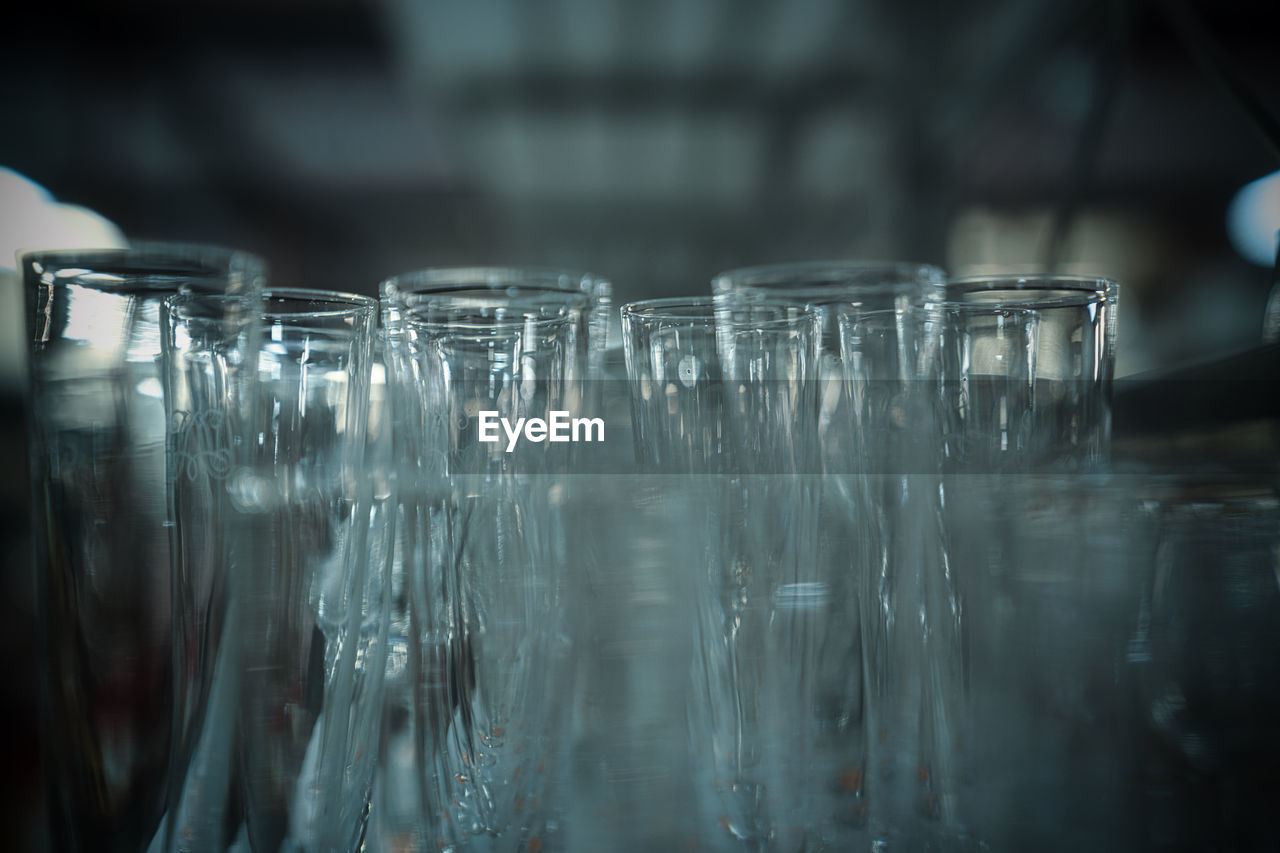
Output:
x,y
1023,389
476,300
281,576
830,287
479,757
727,396
98,435
891,476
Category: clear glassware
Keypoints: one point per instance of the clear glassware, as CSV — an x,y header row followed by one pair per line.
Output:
x,y
830,287
98,435
282,571
670,349
480,756
899,583
1023,386
871,285
727,396
1026,373
585,295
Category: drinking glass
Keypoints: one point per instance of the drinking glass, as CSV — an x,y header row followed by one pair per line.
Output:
x,y
831,287
1026,372
479,757
97,426
900,583
727,396
279,506
1023,384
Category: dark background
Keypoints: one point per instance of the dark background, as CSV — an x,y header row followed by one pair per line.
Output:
x,y
655,142
659,142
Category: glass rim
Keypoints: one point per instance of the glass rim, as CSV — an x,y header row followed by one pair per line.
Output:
x,y
488,326
483,277
671,308
496,297
146,266
1073,291
844,311
709,311
344,303
821,275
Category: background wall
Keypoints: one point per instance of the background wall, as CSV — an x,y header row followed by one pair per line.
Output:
x,y
659,141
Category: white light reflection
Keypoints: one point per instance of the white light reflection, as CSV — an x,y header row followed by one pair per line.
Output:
x,y
151,387
1253,220
30,218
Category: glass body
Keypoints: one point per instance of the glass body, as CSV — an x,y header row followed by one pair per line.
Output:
x,y
98,454
727,396
1023,386
900,581
478,751
845,517
281,572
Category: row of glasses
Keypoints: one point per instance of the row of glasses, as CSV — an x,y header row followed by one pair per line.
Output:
x,y
322,521
225,690
920,382
1011,648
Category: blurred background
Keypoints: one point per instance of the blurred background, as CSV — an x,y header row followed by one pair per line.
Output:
x,y
660,141
656,142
